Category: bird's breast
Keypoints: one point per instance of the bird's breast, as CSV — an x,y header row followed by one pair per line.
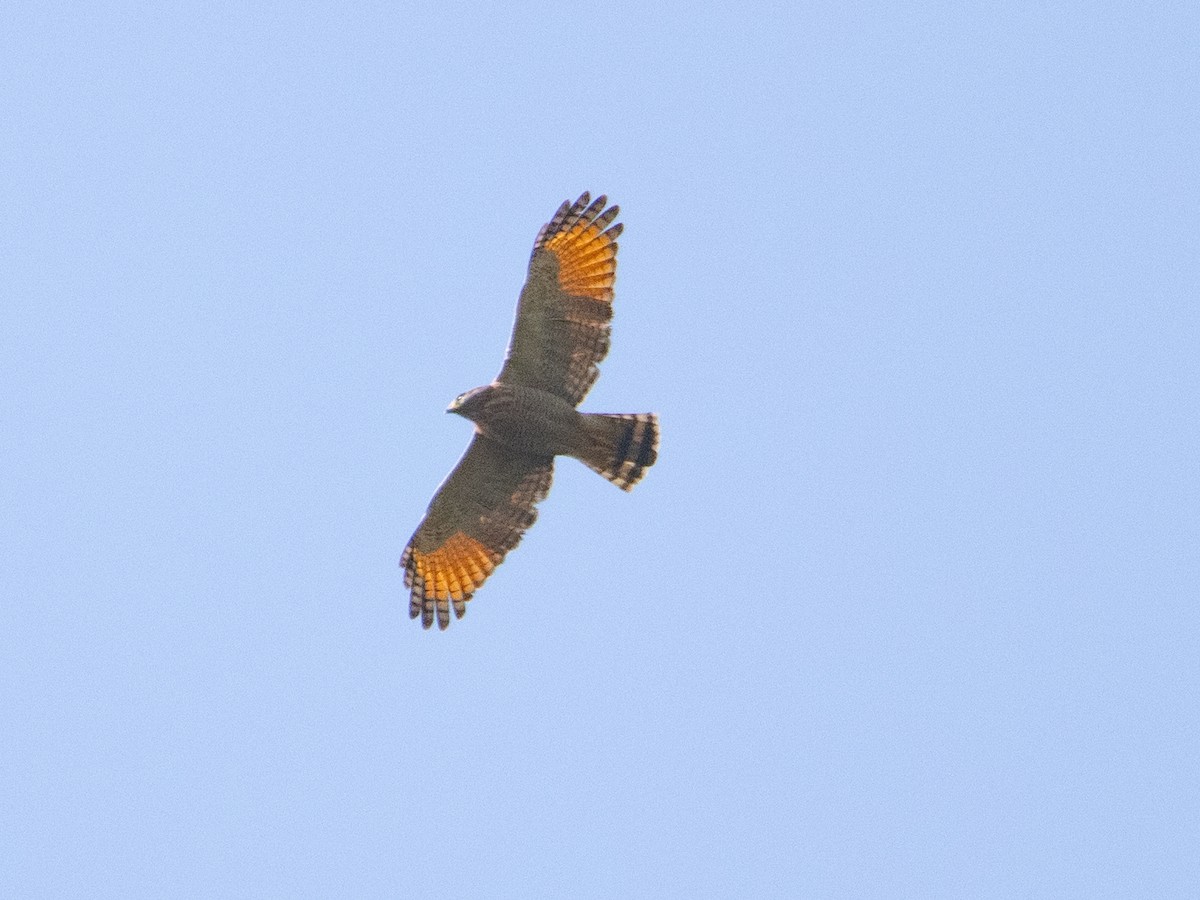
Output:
x,y
529,420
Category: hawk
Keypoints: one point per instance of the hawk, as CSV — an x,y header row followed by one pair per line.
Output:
x,y
528,416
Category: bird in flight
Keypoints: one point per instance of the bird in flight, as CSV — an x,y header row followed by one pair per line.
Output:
x,y
528,416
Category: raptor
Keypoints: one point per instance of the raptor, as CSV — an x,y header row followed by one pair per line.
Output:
x,y
528,416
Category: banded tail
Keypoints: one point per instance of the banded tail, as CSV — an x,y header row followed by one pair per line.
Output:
x,y
620,447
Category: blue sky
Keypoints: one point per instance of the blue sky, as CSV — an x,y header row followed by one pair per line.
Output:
x,y
906,608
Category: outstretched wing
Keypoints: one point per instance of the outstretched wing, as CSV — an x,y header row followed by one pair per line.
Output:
x,y
562,328
478,514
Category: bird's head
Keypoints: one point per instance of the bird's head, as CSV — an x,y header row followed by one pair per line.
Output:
x,y
468,403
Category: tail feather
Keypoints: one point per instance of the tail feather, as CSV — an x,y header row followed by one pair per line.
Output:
x,y
620,447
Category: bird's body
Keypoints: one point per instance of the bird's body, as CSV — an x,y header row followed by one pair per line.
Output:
x,y
528,416
526,419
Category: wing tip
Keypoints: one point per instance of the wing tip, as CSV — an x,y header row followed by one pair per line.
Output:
x,y
583,212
